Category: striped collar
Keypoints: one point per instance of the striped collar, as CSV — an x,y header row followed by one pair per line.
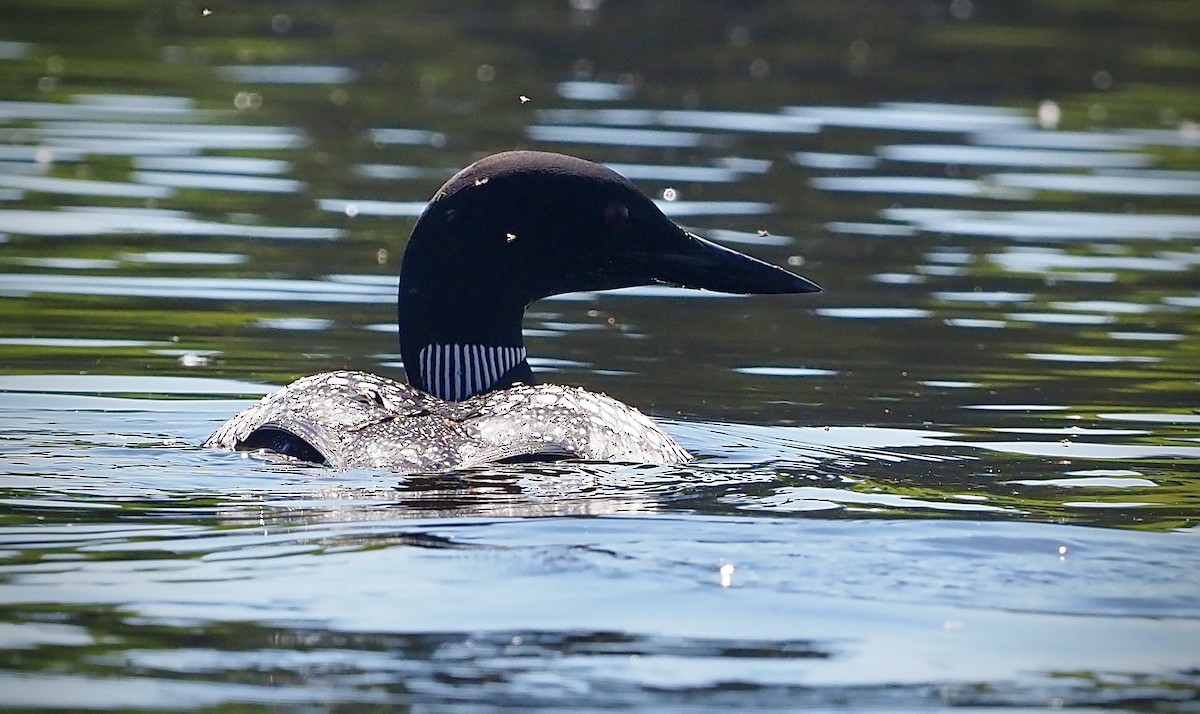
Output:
x,y
455,372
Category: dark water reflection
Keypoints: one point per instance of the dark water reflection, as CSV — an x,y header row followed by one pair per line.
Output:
x,y
963,476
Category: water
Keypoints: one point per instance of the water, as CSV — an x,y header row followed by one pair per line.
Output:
x,y
966,475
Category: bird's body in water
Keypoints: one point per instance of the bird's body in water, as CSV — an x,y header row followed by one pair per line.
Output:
x,y
508,230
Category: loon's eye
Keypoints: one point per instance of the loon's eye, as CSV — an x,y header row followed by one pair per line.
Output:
x,y
616,216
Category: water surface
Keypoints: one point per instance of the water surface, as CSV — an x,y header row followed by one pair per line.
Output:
x,y
965,475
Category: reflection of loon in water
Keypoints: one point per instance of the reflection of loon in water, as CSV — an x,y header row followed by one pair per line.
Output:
x,y
505,231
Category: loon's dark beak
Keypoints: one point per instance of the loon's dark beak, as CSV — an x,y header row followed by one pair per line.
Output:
x,y
693,262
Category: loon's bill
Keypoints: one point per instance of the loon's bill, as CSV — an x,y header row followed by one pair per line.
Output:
x,y
705,265
505,231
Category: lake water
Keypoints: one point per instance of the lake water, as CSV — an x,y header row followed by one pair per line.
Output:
x,y
968,474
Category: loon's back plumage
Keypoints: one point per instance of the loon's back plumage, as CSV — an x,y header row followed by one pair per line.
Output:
x,y
356,420
505,231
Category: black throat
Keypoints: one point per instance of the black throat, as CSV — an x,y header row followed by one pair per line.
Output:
x,y
459,319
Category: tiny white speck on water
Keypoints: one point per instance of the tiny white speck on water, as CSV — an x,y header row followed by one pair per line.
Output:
x,y
1049,114
192,359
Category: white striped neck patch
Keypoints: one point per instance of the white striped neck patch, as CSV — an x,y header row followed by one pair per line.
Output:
x,y
456,372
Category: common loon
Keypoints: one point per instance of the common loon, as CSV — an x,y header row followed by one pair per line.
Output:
x,y
505,231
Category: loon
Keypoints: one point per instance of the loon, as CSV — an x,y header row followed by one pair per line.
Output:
x,y
505,231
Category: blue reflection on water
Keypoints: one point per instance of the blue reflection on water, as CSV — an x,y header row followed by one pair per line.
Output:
x,y
1008,156
218,182
1130,184
287,74
612,136
100,220
592,91
196,288
228,165
1047,224
910,116
197,136
83,187
930,186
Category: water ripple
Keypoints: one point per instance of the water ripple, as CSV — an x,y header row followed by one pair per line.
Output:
x,y
930,186
759,122
412,137
1043,260
92,221
254,289
1082,183
1103,141
106,107
197,136
611,135
912,116
287,74
682,174
874,313
986,156
1047,224
83,187
226,165
355,207
117,384
593,91
218,182
834,162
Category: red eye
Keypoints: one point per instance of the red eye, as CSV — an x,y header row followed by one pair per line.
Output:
x,y
616,216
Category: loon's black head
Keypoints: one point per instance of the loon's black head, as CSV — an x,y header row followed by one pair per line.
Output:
x,y
523,225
